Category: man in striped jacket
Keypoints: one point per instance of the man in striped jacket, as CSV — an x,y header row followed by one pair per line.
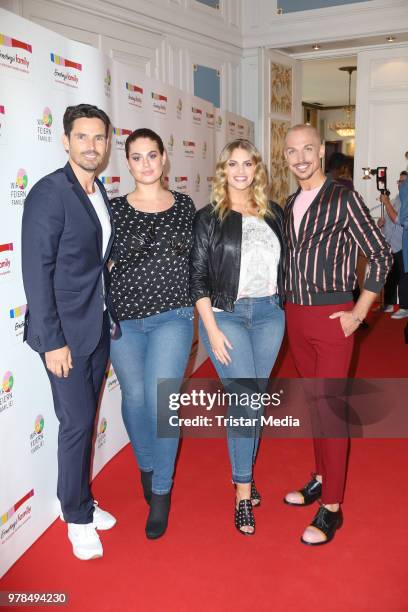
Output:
x,y
325,225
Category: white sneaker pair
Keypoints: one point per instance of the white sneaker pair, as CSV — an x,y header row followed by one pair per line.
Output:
x,y
400,314
85,541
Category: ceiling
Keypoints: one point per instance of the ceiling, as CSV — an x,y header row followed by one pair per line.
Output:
x,y
323,81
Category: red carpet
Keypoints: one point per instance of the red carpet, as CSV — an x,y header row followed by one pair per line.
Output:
x,y
203,564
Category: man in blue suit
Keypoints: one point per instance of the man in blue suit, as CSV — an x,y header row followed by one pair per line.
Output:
x,y
67,235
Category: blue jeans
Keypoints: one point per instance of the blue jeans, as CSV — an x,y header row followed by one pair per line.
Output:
x,y
255,329
151,348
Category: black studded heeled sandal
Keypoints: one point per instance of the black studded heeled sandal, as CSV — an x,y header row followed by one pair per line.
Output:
x,y
255,495
327,522
311,492
244,516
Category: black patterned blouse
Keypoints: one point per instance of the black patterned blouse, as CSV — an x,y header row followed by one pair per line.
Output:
x,y
151,253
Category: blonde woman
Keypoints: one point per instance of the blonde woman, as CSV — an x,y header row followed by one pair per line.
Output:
x,y
236,282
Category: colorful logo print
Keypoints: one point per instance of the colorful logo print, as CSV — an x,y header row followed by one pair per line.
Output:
x,y
2,110
61,61
39,424
196,111
47,117
136,88
108,78
103,425
120,132
18,312
108,180
22,179
6,41
7,515
159,97
8,382
179,105
180,179
6,247
188,143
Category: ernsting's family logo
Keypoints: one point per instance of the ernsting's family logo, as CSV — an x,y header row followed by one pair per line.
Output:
x,y
6,393
14,54
65,71
197,114
120,137
17,315
16,516
44,132
135,95
189,148
159,103
181,183
18,188
111,379
6,256
111,184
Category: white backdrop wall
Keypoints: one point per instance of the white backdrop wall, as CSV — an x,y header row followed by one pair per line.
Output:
x,y
40,74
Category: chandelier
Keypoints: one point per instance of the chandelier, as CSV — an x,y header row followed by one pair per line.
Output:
x,y
346,128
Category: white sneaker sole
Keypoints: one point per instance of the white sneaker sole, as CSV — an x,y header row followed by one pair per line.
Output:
x,y
86,557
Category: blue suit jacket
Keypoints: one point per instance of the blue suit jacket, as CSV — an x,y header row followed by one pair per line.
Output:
x,y
403,219
63,265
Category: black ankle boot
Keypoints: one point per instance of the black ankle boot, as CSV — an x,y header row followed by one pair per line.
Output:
x,y
158,516
146,478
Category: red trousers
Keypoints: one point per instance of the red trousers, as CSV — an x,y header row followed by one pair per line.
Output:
x,y
320,350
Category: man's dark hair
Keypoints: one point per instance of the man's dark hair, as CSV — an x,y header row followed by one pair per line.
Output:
x,y
336,161
143,133
403,173
84,110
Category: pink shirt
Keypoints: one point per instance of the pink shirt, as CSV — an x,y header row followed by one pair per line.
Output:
x,y
301,205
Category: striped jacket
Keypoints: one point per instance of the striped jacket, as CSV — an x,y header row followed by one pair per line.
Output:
x,y
321,262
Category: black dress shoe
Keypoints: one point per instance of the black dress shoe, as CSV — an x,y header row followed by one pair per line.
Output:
x,y
327,522
146,478
311,492
158,516
244,517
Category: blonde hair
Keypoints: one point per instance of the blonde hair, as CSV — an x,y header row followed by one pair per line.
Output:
x,y
258,189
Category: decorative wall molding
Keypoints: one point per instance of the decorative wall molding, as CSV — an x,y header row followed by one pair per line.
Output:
x,y
262,26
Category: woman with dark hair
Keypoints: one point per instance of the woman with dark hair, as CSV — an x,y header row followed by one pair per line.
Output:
x,y
150,294
236,282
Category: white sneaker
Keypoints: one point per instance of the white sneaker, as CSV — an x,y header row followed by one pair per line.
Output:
x,y
388,308
102,520
400,314
85,541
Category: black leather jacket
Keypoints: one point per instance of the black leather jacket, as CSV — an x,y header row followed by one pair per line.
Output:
x,y
216,256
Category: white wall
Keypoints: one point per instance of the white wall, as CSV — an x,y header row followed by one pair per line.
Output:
x,y
381,117
163,38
